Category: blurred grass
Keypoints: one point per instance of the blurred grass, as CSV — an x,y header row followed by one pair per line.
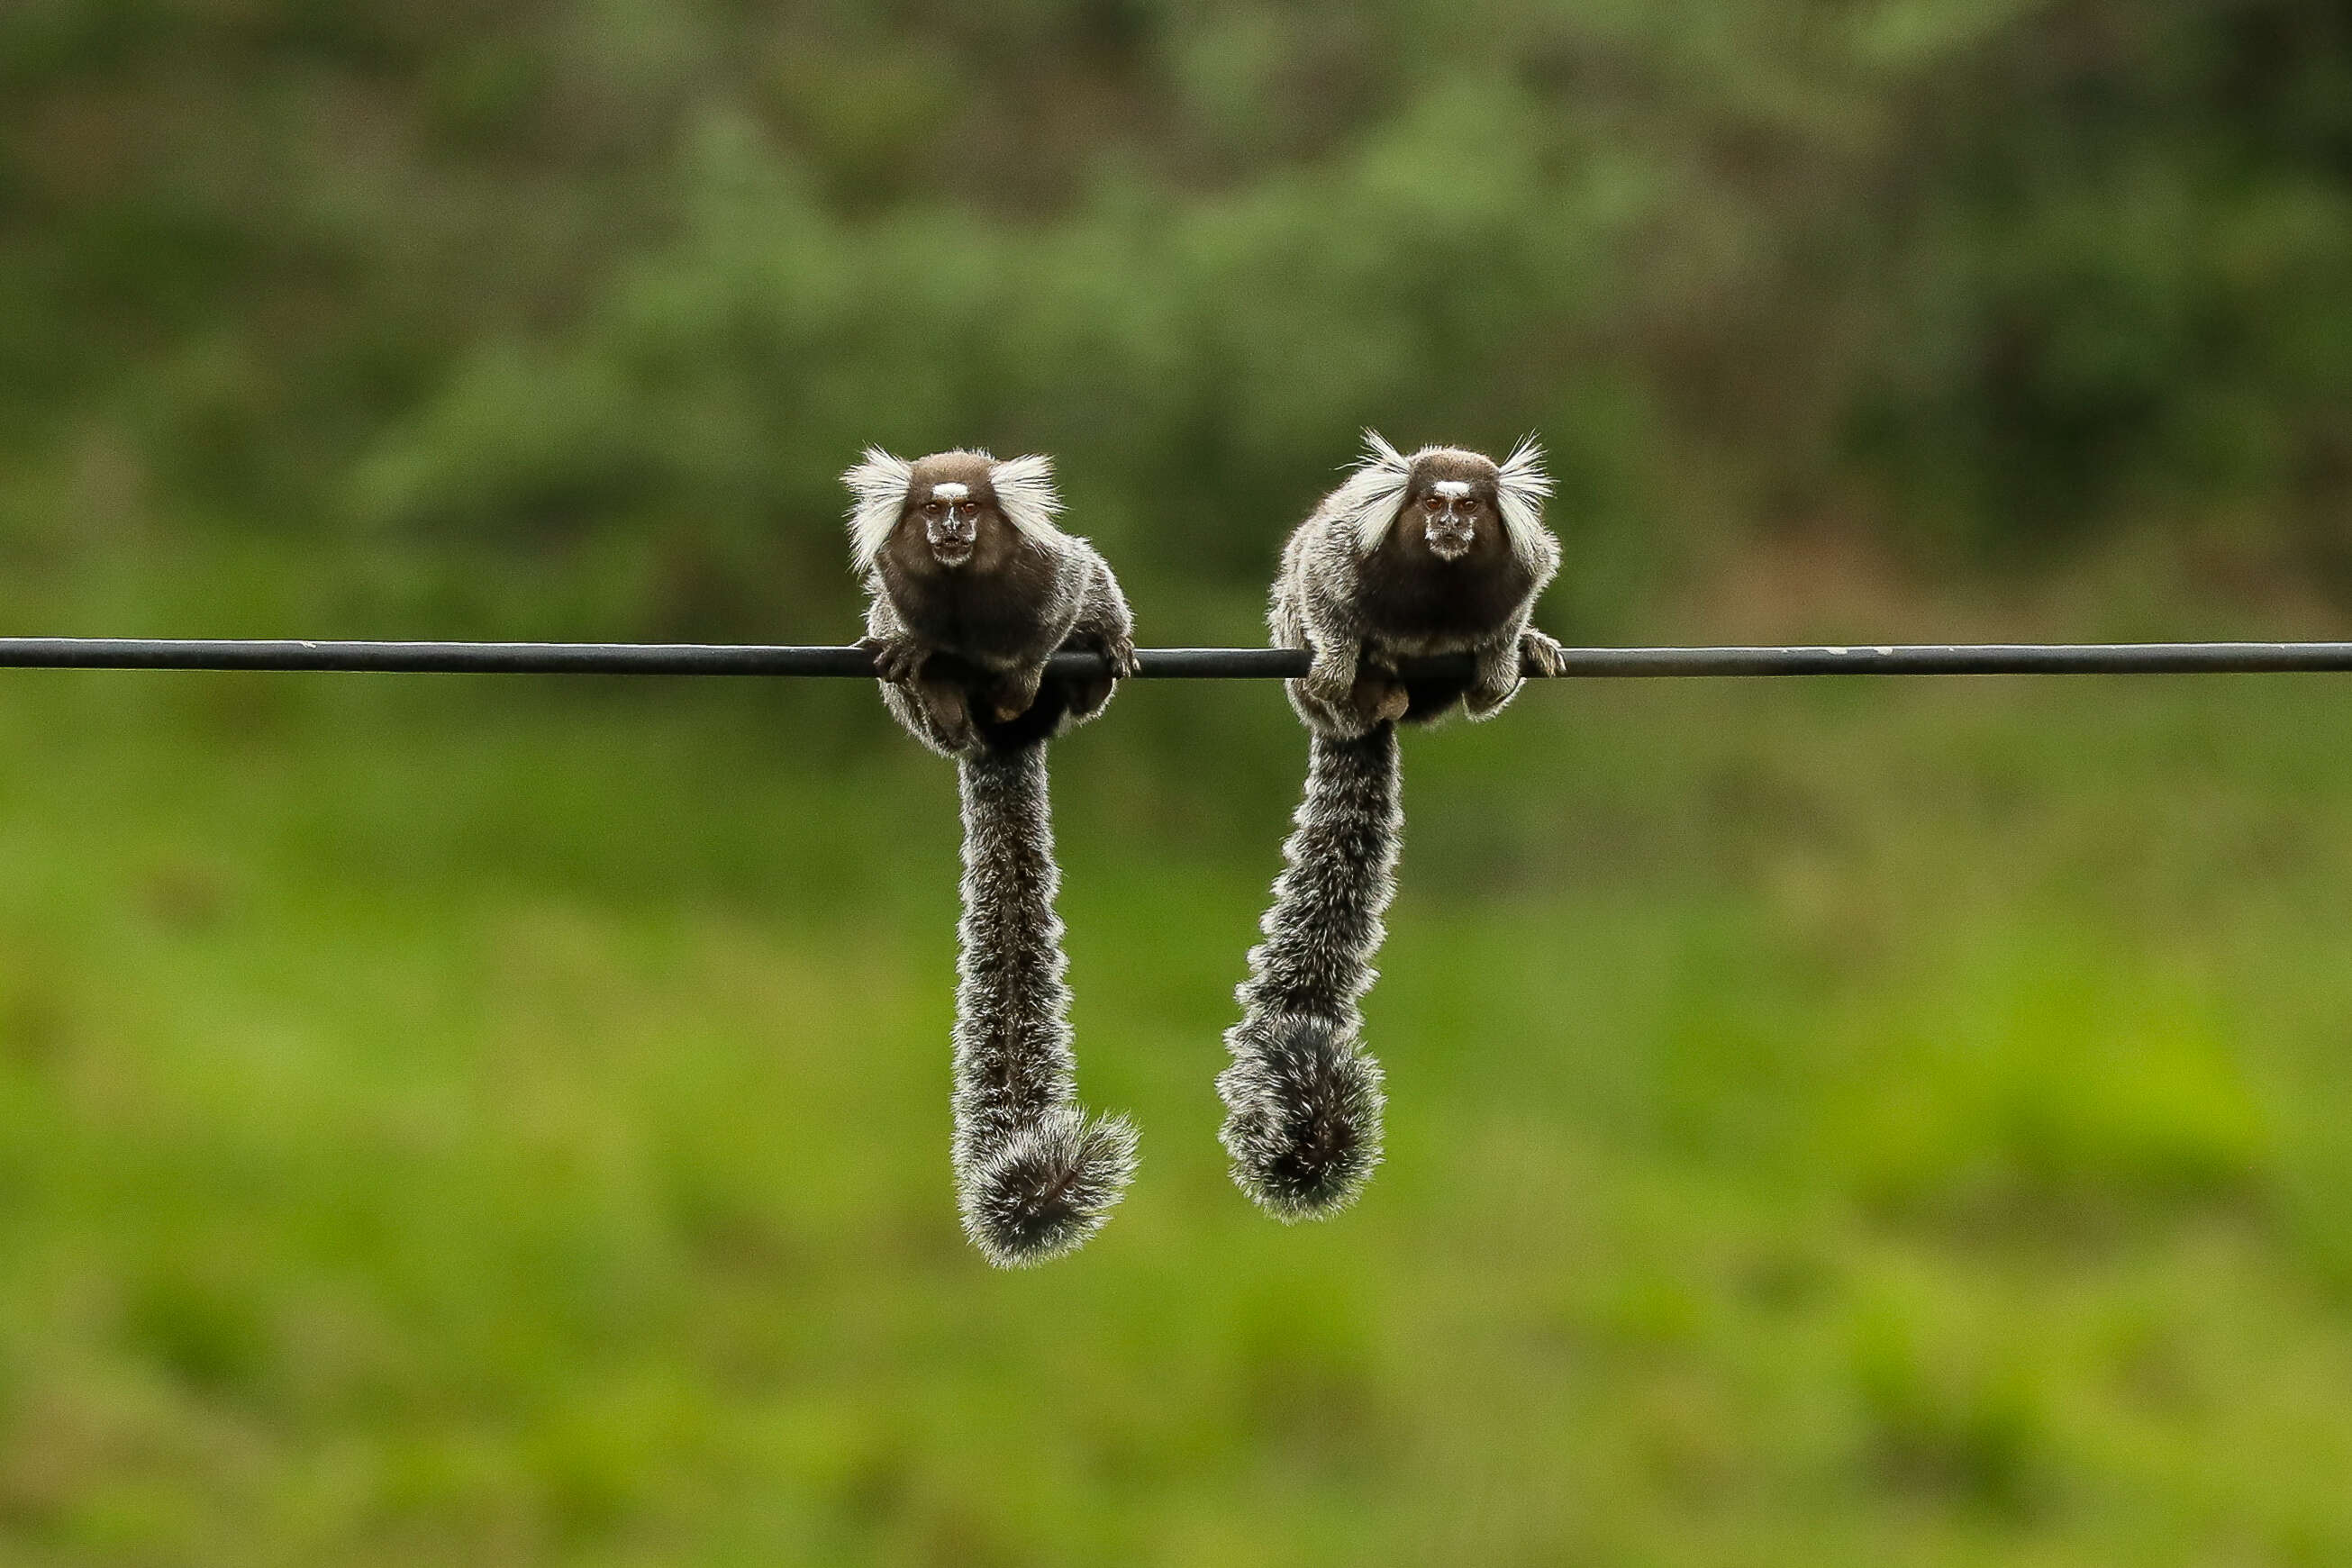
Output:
x,y
506,1123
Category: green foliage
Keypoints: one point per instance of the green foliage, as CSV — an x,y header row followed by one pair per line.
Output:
x,y
1987,274
737,369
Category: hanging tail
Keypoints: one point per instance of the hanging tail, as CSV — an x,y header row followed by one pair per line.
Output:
x,y
1302,1097
1034,1175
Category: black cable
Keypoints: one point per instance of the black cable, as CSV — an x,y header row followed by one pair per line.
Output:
x,y
1159,664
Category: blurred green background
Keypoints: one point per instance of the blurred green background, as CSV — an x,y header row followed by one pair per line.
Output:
x,y
504,1122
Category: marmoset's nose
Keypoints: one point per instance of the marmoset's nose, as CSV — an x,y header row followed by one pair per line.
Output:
x,y
1450,532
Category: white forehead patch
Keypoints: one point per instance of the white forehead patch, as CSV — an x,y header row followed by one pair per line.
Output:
x,y
1453,490
951,491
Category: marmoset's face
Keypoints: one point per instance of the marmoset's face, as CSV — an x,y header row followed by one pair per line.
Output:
x,y
952,499
951,520
1451,510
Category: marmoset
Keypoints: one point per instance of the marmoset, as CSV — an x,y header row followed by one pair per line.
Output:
x,y
972,588
1442,552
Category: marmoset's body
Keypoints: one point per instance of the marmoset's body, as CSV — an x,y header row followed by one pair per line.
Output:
x,y
973,588
1442,552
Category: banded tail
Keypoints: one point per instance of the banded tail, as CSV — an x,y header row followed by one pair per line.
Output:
x,y
1034,1175
1302,1096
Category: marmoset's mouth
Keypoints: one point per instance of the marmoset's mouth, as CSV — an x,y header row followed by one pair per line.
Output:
x,y
952,537
1447,542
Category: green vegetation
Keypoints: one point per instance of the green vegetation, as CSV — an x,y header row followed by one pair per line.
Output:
x,y
620,286
1832,1126
506,1121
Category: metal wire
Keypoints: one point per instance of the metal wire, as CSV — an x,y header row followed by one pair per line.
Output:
x,y
1161,664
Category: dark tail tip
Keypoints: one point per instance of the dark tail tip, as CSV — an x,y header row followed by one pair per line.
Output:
x,y
1049,1189
1304,1116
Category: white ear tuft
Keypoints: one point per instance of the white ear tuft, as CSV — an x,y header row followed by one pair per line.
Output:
x,y
879,486
1522,487
1369,500
1523,470
1024,494
1378,450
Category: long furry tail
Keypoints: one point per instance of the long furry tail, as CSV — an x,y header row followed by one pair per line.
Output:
x,y
1034,1175
1302,1096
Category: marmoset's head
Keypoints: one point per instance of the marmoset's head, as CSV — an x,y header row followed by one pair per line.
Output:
x,y
1452,498
1447,497
949,503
